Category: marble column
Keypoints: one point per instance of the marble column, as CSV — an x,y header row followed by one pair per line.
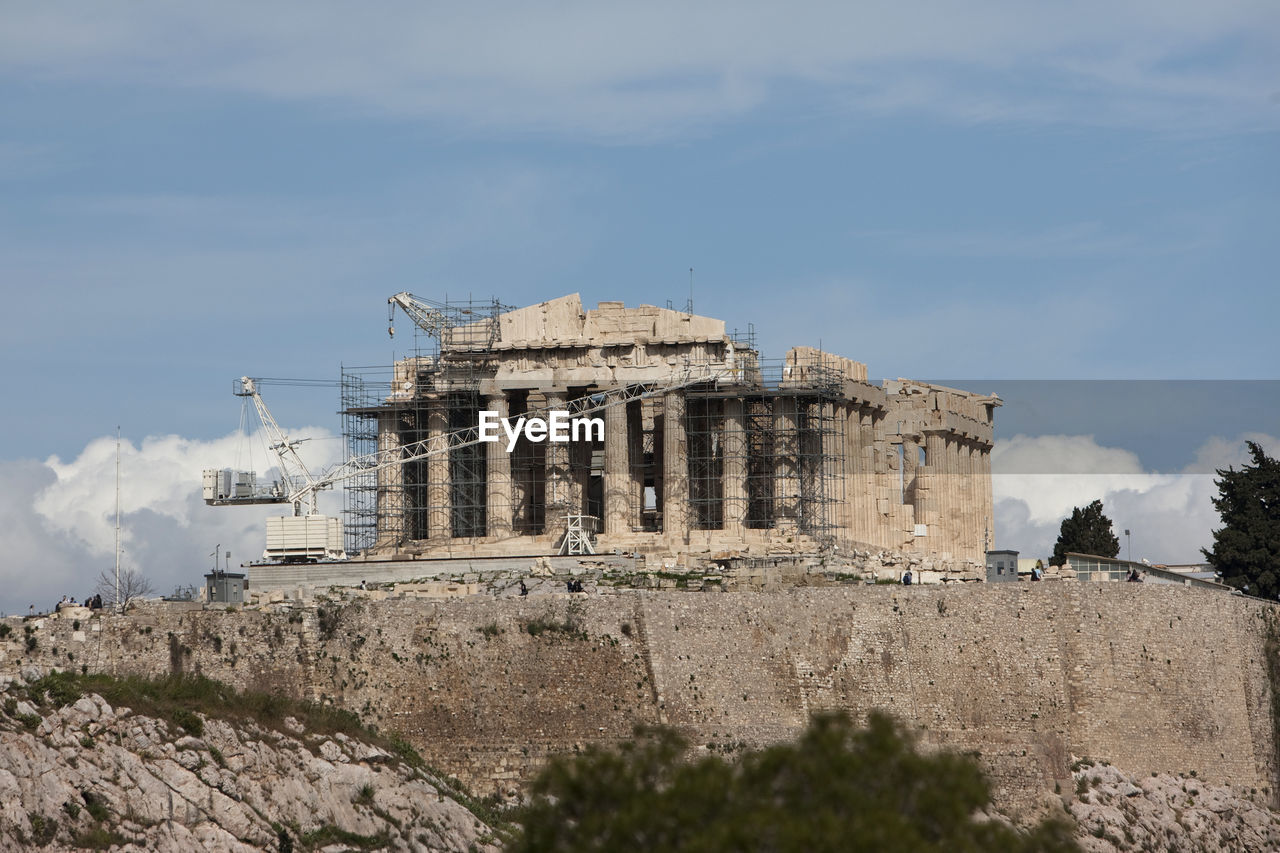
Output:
x,y
635,453
675,470
988,500
972,509
735,466
390,494
617,471
928,499
868,510
831,467
786,474
558,486
910,466
439,497
499,504
944,481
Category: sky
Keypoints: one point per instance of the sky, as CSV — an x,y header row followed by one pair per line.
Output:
x,y
1072,205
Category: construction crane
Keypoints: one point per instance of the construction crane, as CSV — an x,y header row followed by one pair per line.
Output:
x,y
296,485
429,319
300,488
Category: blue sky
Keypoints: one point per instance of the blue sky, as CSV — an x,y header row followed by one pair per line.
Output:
x,y
990,192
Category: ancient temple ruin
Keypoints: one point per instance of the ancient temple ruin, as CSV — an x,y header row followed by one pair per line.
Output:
x,y
722,452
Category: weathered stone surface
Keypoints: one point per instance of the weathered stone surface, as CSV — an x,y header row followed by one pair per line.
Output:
x,y
1117,811
187,803
1025,674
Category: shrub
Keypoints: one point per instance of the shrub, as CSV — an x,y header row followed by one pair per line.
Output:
x,y
837,787
43,829
99,838
189,722
330,834
96,808
548,624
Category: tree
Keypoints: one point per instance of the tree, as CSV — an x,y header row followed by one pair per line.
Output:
x,y
836,788
133,586
1247,548
1087,531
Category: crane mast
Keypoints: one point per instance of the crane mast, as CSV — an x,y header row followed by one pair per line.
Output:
x,y
299,486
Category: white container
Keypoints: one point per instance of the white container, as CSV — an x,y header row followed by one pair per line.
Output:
x,y
304,538
217,484
246,483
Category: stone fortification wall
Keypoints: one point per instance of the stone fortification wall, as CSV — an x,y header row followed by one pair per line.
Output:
x,y
1151,678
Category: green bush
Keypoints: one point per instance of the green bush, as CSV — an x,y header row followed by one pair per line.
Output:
x,y
95,807
99,838
550,625
837,788
43,829
187,721
329,834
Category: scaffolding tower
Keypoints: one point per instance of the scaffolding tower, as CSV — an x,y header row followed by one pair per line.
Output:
x,y
783,440
436,388
764,446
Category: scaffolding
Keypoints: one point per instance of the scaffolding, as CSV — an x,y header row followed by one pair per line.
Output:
x,y
433,390
780,435
363,390
764,446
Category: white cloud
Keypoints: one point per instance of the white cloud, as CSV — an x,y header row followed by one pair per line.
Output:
x,y
639,70
59,517
1037,481
1050,474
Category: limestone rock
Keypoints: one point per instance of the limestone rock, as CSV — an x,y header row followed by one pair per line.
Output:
x,y
141,784
1118,812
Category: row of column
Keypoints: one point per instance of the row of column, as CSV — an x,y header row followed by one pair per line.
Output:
x,y
955,497
563,491
876,492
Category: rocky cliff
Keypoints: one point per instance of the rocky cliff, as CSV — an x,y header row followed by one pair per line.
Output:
x,y
90,775
1117,812
1153,678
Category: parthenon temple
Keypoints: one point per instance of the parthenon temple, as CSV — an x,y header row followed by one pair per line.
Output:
x,y
706,446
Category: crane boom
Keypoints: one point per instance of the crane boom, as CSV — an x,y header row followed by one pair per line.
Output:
x,y
296,485
427,318
293,469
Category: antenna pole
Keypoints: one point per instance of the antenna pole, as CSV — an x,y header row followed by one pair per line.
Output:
x,y
117,597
